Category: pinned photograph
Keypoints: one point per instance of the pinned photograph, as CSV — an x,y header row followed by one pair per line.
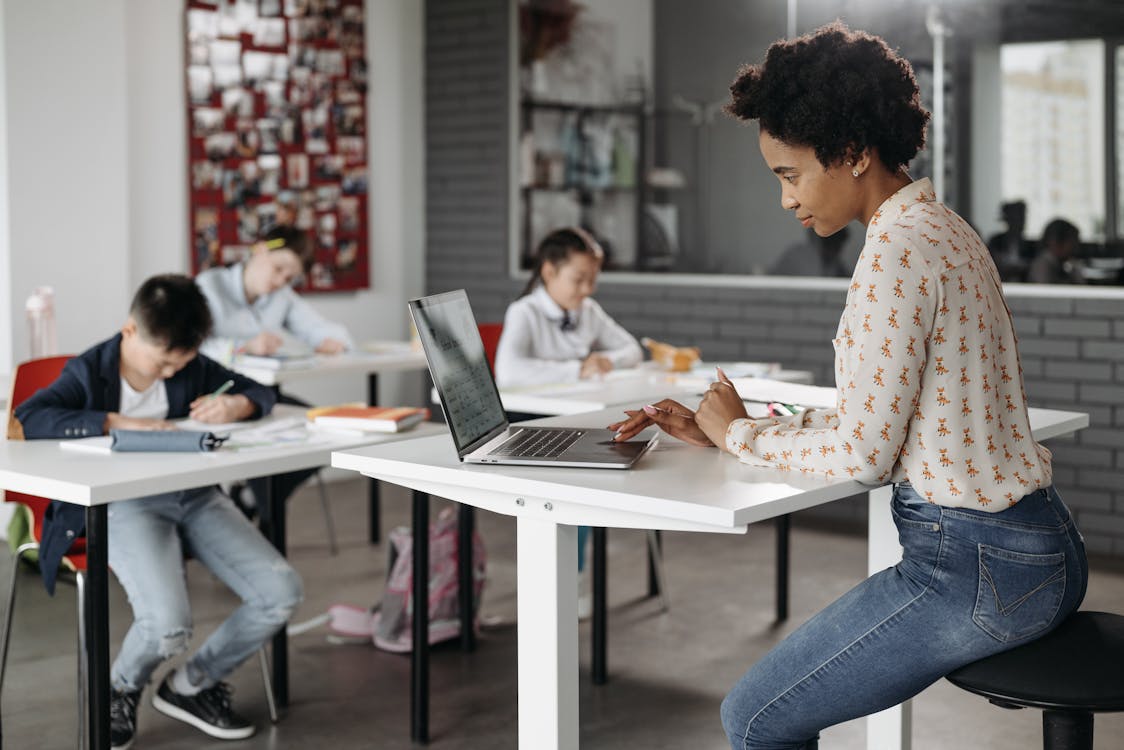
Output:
x,y
320,277
302,56
316,146
326,231
279,69
315,122
225,51
275,103
257,67
247,224
352,148
198,52
269,32
248,142
237,102
295,8
349,120
206,121
348,252
270,166
354,181
235,254
291,130
330,62
219,146
346,92
296,170
205,236
302,29
326,197
206,175
227,76
269,131
269,8
267,217
202,25
349,215
329,168
199,84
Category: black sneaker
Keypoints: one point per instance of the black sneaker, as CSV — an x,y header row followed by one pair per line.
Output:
x,y
122,718
208,710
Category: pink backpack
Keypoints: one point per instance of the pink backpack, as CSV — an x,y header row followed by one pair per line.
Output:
x,y
389,623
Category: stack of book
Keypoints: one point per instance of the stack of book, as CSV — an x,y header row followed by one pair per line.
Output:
x,y
359,418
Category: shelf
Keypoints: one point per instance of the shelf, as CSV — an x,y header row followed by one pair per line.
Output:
x,y
629,109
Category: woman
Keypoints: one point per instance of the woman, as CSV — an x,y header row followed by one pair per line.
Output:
x,y
930,398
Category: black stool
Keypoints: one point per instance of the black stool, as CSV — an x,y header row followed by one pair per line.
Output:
x,y
1071,673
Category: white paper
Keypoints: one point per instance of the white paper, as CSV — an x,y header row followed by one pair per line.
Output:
x,y
765,390
96,444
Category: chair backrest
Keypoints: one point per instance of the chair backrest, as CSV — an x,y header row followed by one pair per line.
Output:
x,y
490,335
29,377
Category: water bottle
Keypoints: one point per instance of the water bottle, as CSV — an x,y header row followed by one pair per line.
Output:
x,y
40,310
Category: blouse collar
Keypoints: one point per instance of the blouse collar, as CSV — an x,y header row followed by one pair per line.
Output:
x,y
894,207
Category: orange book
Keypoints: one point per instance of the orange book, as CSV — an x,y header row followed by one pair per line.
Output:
x,y
368,418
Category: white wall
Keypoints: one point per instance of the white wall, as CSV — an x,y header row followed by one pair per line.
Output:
x,y
5,225
97,181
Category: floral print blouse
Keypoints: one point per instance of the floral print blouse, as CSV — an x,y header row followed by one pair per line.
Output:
x,y
927,372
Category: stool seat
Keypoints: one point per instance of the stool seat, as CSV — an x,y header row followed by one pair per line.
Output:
x,y
1077,667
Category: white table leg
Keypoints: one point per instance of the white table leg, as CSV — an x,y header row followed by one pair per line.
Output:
x,y
889,729
548,635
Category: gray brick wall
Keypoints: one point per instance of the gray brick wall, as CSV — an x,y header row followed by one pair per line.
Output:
x,y
1073,350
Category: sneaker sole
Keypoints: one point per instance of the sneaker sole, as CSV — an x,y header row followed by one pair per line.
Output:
x,y
176,712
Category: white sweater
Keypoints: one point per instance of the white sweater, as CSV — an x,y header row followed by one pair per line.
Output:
x,y
534,350
927,370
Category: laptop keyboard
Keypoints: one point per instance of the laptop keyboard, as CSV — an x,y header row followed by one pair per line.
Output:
x,y
530,443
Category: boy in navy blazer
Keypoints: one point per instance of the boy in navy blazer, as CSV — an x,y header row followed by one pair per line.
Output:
x,y
150,373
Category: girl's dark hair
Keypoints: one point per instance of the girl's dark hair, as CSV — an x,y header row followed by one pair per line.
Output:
x,y
283,237
557,247
837,91
170,310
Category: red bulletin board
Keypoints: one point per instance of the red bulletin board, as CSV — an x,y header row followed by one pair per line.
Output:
x,y
276,123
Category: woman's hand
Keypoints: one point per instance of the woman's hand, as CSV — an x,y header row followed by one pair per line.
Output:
x,y
264,344
720,406
330,346
595,365
115,421
672,417
221,409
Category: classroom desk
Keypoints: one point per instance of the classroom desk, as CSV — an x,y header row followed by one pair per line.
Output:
x,y
676,487
41,467
373,358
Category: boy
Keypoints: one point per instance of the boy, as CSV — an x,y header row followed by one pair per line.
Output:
x,y
147,374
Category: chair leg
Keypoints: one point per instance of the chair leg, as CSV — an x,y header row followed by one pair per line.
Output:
x,y
83,662
655,556
327,514
1067,730
268,685
23,548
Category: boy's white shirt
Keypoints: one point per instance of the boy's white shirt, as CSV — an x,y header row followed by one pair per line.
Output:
x,y
151,403
534,350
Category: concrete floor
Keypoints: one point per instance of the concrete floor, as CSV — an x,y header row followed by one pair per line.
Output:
x,y
668,672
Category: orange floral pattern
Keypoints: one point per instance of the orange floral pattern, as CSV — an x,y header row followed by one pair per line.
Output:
x,y
941,392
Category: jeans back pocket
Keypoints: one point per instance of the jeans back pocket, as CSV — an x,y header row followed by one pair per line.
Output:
x,y
1019,593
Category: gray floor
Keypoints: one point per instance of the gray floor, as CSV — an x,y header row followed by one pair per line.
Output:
x,y
668,672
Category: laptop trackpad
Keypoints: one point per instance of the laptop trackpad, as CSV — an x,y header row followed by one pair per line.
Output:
x,y
599,445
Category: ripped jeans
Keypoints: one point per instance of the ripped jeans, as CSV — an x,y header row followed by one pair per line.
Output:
x,y
970,584
148,540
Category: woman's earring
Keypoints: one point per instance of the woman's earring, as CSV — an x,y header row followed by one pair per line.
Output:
x,y
854,173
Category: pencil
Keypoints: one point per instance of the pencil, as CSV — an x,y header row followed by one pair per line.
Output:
x,y
223,389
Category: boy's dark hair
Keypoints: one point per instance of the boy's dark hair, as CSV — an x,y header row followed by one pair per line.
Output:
x,y
285,237
837,91
556,248
1058,231
170,310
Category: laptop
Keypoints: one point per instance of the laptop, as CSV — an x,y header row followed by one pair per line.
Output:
x,y
473,409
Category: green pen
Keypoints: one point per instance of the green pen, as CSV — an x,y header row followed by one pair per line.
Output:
x,y
223,389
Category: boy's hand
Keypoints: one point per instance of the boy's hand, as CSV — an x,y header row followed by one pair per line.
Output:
x,y
672,417
330,346
221,409
264,344
595,364
115,421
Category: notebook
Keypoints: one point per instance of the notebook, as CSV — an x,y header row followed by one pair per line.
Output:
x,y
473,409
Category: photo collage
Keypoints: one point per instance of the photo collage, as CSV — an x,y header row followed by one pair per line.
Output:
x,y
276,106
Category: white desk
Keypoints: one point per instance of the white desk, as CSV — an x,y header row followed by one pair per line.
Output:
x,y
372,359
677,487
41,467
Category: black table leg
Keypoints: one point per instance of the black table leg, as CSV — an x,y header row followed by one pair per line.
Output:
x,y
466,588
97,625
419,659
600,608
274,529
653,579
373,503
784,526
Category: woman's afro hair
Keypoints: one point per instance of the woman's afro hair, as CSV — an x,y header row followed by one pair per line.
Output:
x,y
837,91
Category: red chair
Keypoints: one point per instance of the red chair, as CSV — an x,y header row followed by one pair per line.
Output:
x,y
490,335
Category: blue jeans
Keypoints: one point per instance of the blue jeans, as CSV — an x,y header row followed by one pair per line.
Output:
x,y
148,540
970,584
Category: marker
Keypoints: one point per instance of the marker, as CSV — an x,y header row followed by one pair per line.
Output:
x,y
222,389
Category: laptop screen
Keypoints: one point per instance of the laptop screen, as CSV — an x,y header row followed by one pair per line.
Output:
x,y
459,367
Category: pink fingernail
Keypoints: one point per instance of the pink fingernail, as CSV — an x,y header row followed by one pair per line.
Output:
x,y
649,409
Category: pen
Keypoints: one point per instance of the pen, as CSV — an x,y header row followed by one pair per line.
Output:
x,y
222,389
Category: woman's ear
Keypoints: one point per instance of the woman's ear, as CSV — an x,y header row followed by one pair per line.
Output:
x,y
858,161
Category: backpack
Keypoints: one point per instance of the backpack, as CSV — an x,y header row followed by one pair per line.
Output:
x,y
389,623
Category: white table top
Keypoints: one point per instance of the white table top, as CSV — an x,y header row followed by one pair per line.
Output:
x,y
41,467
375,357
633,386
676,486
